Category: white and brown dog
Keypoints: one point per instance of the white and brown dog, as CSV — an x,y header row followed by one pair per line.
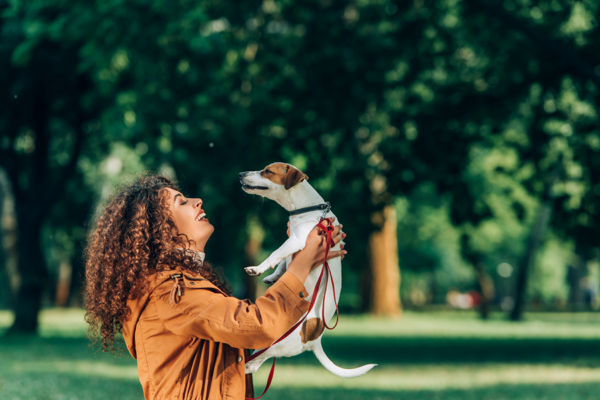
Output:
x,y
288,186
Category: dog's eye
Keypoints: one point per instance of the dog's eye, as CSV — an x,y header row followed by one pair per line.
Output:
x,y
268,172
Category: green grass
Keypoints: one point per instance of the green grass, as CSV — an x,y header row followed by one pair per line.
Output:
x,y
442,355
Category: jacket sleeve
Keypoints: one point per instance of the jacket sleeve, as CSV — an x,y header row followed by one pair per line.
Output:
x,y
203,311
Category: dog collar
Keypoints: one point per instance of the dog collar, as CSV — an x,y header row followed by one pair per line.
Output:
x,y
325,207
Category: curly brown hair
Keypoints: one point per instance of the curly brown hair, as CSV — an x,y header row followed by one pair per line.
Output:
x,y
132,239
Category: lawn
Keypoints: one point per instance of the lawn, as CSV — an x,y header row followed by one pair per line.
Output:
x,y
451,356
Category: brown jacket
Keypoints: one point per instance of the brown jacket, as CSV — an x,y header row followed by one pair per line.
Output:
x,y
193,348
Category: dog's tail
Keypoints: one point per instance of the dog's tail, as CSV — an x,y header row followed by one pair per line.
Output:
x,y
331,367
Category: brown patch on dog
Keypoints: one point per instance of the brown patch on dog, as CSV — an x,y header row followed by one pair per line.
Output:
x,y
311,329
283,174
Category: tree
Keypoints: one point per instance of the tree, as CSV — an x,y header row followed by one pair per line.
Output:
x,y
386,273
42,140
372,100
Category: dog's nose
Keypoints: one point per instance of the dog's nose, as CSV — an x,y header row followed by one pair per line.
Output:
x,y
241,174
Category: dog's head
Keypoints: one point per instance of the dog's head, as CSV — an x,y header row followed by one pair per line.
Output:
x,y
271,181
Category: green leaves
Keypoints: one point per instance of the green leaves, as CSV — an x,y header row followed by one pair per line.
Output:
x,y
371,99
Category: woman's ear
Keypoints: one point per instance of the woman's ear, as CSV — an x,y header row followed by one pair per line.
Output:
x,y
294,176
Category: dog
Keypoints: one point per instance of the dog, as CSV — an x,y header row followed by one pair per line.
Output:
x,y
289,187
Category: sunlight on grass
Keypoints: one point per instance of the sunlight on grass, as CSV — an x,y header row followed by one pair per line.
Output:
x,y
78,368
467,324
6,319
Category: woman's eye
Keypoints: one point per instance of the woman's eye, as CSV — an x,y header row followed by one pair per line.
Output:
x,y
185,202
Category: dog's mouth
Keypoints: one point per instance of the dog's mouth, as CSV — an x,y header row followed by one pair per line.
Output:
x,y
248,187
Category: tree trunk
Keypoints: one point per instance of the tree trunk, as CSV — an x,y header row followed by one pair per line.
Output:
x,y
76,295
253,245
535,239
63,284
33,273
250,251
34,191
575,275
486,286
5,289
484,281
385,267
8,240
537,234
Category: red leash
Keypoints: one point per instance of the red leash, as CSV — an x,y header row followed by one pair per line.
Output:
x,y
329,230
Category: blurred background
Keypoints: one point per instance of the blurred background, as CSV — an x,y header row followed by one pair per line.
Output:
x,y
457,140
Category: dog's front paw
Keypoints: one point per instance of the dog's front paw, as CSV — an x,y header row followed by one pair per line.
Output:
x,y
252,271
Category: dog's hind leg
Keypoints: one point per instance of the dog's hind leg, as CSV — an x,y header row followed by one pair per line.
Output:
x,y
274,277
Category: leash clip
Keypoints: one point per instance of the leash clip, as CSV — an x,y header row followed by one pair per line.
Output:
x,y
327,207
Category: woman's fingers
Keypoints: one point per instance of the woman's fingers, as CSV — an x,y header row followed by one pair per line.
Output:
x,y
338,235
334,254
338,238
336,230
316,230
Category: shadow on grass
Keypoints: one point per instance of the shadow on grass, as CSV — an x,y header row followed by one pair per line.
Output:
x,y
355,350
456,350
73,349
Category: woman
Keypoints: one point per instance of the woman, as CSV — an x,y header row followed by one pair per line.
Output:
x,y
147,279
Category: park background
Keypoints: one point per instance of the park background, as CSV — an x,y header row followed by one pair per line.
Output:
x,y
457,140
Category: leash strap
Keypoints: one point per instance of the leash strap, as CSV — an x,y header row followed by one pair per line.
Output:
x,y
269,380
329,231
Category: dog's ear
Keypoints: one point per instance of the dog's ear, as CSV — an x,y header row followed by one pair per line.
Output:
x,y
294,176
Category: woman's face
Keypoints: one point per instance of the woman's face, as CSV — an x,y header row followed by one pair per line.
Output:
x,y
185,213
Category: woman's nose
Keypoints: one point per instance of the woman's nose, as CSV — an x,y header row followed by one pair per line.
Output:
x,y
199,203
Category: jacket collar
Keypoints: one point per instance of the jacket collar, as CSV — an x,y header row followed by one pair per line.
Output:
x,y
198,255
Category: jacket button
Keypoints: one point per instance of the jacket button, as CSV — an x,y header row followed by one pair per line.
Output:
x,y
302,294
240,358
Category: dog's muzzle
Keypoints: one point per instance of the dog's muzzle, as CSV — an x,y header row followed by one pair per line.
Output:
x,y
245,186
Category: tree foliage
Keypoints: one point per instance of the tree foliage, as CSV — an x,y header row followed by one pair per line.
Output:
x,y
472,102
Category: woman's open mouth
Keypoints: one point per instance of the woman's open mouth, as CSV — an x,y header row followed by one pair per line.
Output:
x,y
201,217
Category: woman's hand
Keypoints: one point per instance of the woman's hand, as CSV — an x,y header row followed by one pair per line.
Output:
x,y
313,253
